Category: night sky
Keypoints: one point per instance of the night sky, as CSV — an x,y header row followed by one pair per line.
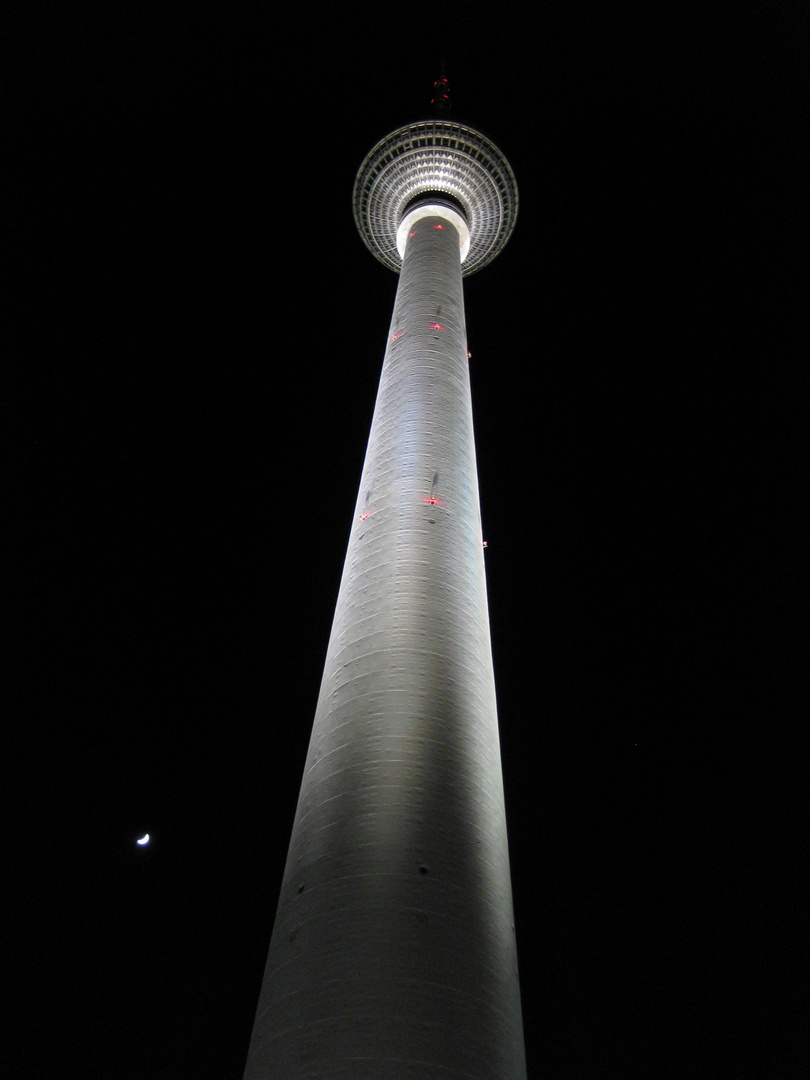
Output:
x,y
195,337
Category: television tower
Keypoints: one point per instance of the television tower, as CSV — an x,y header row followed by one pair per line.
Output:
x,y
393,951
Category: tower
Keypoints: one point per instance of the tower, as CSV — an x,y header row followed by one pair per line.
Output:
x,y
393,951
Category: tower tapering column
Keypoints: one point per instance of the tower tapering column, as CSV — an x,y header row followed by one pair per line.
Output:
x,y
393,951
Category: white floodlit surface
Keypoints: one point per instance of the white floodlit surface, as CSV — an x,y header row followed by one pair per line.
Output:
x,y
393,952
432,210
439,158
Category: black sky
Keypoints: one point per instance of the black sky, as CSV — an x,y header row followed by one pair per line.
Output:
x,y
195,339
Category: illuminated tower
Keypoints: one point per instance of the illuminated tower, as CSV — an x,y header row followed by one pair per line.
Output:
x,y
393,951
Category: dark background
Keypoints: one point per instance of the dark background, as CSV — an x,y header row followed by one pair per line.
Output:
x,y
193,347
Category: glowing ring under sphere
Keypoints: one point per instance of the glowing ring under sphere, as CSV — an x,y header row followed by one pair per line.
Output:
x,y
440,157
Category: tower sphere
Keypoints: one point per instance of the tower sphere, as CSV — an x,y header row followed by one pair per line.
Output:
x,y
441,159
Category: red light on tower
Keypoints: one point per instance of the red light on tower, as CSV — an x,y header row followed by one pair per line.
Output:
x,y
441,97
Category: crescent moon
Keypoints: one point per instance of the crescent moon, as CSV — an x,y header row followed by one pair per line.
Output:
x,y
144,840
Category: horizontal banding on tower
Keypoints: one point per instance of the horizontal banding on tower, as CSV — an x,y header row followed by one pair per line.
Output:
x,y
432,207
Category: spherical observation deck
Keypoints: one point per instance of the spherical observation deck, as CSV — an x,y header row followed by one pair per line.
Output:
x,y
436,157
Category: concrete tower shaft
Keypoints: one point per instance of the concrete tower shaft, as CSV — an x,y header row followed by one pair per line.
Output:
x,y
393,952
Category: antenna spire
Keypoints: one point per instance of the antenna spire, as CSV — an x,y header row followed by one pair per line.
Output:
x,y
440,101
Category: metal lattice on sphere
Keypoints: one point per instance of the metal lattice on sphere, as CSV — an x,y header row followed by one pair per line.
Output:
x,y
443,158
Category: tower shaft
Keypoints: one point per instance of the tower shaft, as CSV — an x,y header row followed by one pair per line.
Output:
x,y
393,952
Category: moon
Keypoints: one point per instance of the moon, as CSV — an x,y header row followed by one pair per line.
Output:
x,y
144,840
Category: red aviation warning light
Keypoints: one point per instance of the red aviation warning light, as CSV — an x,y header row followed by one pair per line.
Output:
x,y
433,499
441,97
436,326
